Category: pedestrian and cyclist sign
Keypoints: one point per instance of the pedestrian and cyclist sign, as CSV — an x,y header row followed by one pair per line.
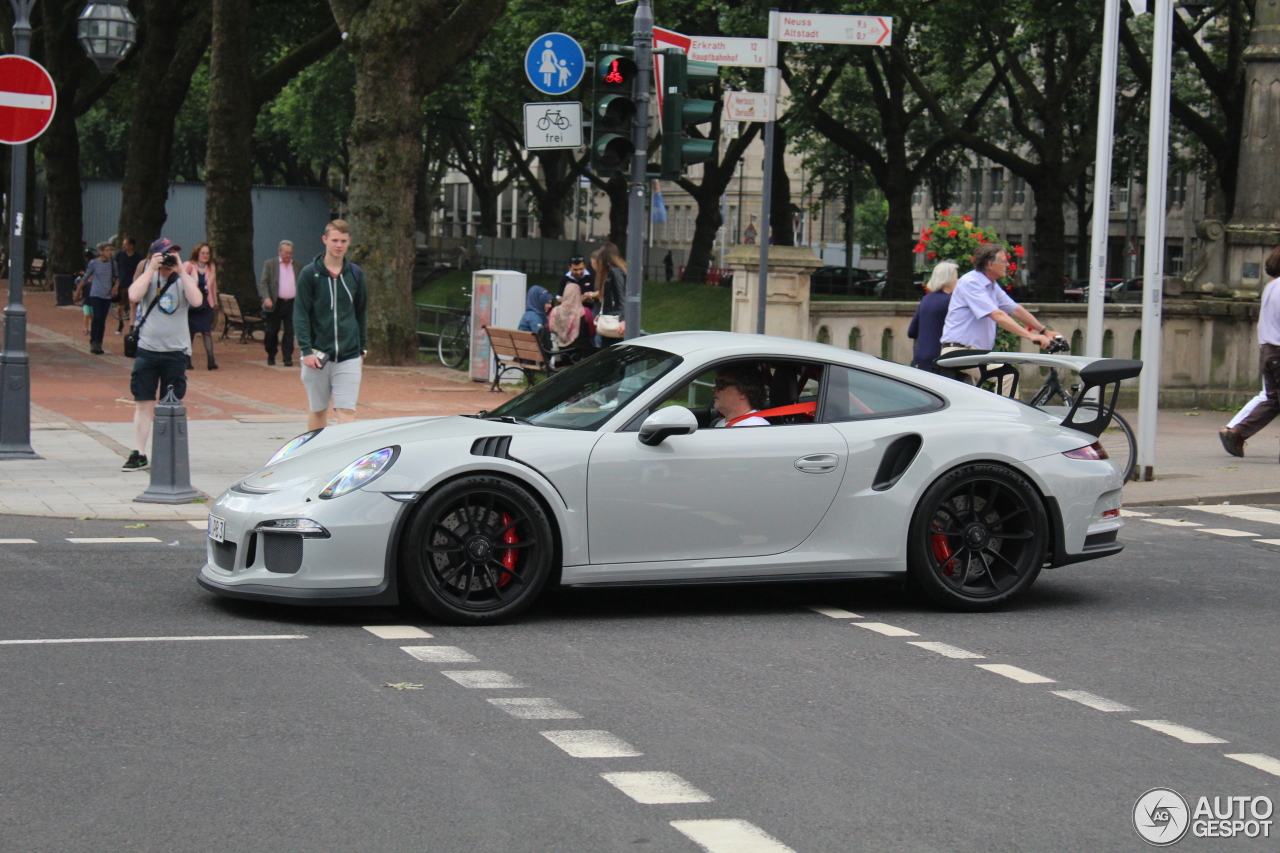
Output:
x,y
27,99
555,63
553,125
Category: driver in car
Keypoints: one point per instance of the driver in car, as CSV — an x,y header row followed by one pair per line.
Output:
x,y
739,393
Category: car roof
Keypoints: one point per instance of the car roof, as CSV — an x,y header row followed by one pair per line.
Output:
x,y
736,343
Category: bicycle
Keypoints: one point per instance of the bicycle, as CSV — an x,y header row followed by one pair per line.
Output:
x,y
1117,439
553,117
454,344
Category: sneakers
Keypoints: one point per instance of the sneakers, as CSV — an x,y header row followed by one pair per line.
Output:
x,y
136,462
288,362
1231,441
271,361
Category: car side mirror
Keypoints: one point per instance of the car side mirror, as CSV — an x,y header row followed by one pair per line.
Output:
x,y
668,421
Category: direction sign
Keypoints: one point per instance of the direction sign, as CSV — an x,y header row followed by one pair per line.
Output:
x,y
555,63
747,106
739,52
836,29
553,125
27,99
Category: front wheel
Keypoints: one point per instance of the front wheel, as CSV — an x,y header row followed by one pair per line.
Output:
x,y
978,538
477,551
454,343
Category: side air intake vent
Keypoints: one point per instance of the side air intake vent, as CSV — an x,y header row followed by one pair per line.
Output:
x,y
496,445
897,459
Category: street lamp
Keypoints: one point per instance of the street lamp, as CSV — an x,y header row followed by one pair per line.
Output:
x,y
106,32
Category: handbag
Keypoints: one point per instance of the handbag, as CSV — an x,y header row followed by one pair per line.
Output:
x,y
131,339
610,326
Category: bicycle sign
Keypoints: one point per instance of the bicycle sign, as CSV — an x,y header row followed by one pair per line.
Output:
x,y
553,125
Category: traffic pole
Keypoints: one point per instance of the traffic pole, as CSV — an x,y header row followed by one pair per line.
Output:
x,y
642,39
1153,263
15,366
771,78
1102,178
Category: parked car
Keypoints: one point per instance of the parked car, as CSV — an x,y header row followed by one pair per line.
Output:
x,y
844,281
1118,290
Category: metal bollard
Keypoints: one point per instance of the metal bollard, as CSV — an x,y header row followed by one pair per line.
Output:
x,y
170,464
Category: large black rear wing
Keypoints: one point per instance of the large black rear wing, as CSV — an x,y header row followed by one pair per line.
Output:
x,y
1095,373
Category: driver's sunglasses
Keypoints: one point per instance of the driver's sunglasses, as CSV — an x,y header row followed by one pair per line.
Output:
x,y
722,384
576,260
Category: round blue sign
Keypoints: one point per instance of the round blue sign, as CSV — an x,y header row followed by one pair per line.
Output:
x,y
555,63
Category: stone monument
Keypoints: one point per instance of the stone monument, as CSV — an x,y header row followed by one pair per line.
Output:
x,y
787,289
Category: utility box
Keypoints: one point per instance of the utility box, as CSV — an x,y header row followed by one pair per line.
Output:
x,y
64,287
497,299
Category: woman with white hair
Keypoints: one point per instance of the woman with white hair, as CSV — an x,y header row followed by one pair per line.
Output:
x,y
926,325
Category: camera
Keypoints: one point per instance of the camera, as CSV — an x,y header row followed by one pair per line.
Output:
x,y
168,259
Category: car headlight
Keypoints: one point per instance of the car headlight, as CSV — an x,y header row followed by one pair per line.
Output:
x,y
293,445
362,472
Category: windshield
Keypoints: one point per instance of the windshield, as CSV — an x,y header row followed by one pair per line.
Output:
x,y
585,395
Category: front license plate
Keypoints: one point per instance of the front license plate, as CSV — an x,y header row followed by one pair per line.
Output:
x,y
217,528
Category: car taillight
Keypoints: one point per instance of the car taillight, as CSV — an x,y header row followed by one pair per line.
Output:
x,y
1093,451
1111,513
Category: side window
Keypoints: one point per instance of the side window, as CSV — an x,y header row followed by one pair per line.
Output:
x,y
855,394
761,386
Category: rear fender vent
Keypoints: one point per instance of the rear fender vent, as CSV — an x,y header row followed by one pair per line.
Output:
x,y
898,457
495,445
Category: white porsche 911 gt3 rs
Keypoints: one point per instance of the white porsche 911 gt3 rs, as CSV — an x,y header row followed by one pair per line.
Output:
x,y
615,472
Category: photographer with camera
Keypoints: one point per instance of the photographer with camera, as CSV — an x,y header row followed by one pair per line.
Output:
x,y
165,292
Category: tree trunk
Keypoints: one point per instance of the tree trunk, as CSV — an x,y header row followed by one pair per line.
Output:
x,y
229,162
619,212
170,53
60,144
1049,243
781,228
900,240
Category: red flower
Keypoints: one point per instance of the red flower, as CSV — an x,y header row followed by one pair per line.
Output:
x,y
946,212
1013,267
952,233
1019,251
919,248
981,239
931,255
944,222
966,218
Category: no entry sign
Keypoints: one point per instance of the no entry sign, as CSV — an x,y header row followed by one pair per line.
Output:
x,y
27,99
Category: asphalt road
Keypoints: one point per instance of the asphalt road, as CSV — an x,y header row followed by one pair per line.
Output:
x,y
754,716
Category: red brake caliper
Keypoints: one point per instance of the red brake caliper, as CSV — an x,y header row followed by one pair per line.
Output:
x,y
942,552
508,554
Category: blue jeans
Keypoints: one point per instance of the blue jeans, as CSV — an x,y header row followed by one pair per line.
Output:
x,y
101,306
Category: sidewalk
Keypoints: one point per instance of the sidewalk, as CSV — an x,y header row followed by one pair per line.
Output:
x,y
82,427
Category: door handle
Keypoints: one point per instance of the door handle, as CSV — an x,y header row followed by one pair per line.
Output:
x,y
818,463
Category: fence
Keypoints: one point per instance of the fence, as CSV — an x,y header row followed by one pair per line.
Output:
x,y
431,322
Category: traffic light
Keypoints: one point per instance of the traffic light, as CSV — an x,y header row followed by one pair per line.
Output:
x,y
679,74
613,110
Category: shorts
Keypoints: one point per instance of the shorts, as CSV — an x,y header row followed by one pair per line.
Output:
x,y
88,309
156,371
337,379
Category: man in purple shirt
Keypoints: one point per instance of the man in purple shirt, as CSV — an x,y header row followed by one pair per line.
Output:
x,y
979,305
277,289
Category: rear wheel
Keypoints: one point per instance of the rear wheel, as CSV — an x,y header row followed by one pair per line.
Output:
x,y
978,538
478,551
453,345
1117,439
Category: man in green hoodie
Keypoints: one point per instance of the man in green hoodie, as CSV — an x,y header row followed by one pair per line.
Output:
x,y
329,324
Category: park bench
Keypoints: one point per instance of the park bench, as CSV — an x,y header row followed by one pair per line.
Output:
x,y
520,352
233,317
35,276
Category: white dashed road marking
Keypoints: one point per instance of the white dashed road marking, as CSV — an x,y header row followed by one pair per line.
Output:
x,y
397,632
112,540
1182,733
833,612
17,542
199,525
1173,522
482,679
1268,541
535,709
592,744
730,836
1226,531
887,630
1245,513
1258,760
152,639
1017,674
1129,513
947,649
1095,702
655,787
440,654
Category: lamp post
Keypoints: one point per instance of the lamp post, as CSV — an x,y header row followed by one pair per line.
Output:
x,y
106,31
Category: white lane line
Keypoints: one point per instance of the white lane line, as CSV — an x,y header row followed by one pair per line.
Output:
x,y
833,612
1182,733
397,632
440,654
152,639
536,709
1245,513
887,630
947,650
1226,531
1095,702
1130,513
592,744
730,836
200,525
1017,674
655,787
1173,522
481,679
1268,541
1258,760
17,542
111,540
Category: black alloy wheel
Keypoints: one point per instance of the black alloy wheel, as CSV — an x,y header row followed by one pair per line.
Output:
x,y
477,551
978,538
